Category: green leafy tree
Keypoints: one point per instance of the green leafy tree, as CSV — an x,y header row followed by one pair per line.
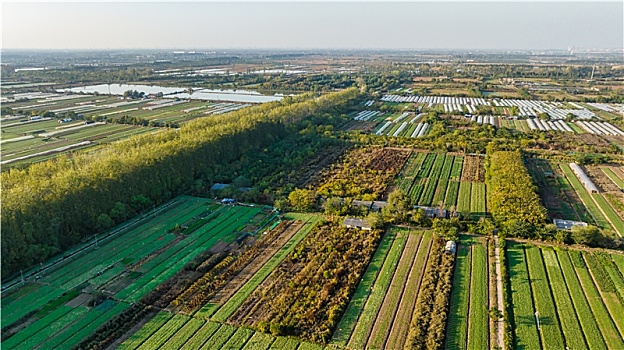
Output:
x,y
104,222
446,229
336,206
589,235
302,199
398,208
375,219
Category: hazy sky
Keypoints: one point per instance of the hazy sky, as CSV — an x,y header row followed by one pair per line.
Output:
x,y
415,25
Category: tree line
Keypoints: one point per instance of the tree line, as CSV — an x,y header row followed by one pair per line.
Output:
x,y
53,205
512,198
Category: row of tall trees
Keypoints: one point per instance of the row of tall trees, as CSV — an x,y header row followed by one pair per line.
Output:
x,y
51,206
512,198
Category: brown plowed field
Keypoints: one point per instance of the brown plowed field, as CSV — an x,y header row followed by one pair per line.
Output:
x,y
473,170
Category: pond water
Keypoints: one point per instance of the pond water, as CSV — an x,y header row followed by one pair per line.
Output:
x,y
228,95
119,89
246,96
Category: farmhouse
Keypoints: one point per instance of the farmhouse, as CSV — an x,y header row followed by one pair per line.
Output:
x,y
365,204
378,205
568,224
589,185
433,212
357,223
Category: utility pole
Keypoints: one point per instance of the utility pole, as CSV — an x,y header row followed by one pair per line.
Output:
x,y
537,319
592,74
22,276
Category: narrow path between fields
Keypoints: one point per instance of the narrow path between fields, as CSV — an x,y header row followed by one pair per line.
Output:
x,y
499,297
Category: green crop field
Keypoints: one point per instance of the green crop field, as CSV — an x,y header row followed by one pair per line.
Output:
x,y
464,197
44,305
565,309
198,338
433,178
460,301
573,308
477,199
616,180
468,322
542,298
456,170
526,333
138,338
166,331
611,215
478,317
362,329
597,206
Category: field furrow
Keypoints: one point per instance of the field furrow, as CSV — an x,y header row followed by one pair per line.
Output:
x,y
478,333
527,336
565,309
457,328
362,329
360,296
385,317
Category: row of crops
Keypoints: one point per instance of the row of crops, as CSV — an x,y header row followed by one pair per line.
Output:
x,y
204,327
434,179
69,304
468,320
601,211
576,297
395,305
168,331
390,307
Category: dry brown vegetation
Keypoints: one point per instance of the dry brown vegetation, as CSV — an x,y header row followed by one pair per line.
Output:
x,y
473,169
362,173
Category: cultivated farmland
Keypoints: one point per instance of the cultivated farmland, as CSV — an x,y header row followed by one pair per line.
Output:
x,y
362,173
468,318
26,140
433,179
571,293
390,307
67,304
601,211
